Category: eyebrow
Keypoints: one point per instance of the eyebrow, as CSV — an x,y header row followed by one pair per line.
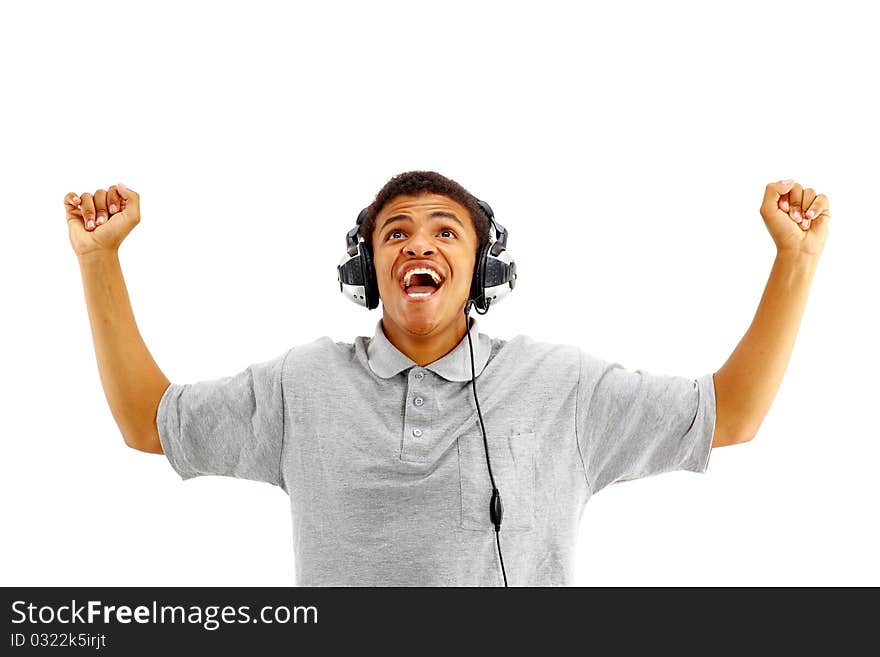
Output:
x,y
435,213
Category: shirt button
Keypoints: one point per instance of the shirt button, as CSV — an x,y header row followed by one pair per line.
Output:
x,y
420,375
418,401
417,432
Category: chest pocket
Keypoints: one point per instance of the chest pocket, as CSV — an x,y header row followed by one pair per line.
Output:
x,y
513,467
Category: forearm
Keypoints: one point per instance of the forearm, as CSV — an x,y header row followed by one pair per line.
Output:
x,y
747,383
133,383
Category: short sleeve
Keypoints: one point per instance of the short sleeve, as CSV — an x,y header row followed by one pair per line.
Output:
x,y
633,424
232,426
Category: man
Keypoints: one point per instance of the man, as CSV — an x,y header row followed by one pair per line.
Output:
x,y
386,451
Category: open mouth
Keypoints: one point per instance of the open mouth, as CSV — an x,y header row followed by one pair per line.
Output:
x,y
421,283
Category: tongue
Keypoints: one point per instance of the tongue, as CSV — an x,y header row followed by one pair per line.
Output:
x,y
419,289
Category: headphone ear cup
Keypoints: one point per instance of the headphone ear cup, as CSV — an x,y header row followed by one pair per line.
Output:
x,y
371,288
478,290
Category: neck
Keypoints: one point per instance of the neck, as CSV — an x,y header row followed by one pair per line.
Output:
x,y
425,349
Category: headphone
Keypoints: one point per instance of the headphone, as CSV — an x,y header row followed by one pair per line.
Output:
x,y
494,278
494,269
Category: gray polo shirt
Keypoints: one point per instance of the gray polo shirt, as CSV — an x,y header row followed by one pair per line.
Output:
x,y
383,460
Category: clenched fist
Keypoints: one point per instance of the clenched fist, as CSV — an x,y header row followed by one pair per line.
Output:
x,y
796,217
100,221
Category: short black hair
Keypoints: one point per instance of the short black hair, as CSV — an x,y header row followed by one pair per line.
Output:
x,y
413,183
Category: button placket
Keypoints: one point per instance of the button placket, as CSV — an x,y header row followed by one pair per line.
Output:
x,y
416,419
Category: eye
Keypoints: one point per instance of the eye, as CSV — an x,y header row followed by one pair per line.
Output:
x,y
445,230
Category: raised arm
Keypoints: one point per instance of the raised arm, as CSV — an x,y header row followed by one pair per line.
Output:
x,y
133,383
747,383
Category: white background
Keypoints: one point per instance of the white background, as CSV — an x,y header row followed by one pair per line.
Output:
x,y
626,146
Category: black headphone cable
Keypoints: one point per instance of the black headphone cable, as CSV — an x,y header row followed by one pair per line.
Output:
x,y
495,507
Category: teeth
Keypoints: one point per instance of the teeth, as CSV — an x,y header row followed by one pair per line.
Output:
x,y
420,270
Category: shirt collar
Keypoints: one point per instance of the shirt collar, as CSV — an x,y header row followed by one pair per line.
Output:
x,y
386,360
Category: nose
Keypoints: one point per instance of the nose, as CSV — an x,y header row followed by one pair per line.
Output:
x,y
420,244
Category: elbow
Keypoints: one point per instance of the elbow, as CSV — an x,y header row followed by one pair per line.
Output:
x,y
143,434
720,441
735,420
725,438
150,443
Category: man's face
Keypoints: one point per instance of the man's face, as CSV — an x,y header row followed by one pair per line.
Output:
x,y
428,230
